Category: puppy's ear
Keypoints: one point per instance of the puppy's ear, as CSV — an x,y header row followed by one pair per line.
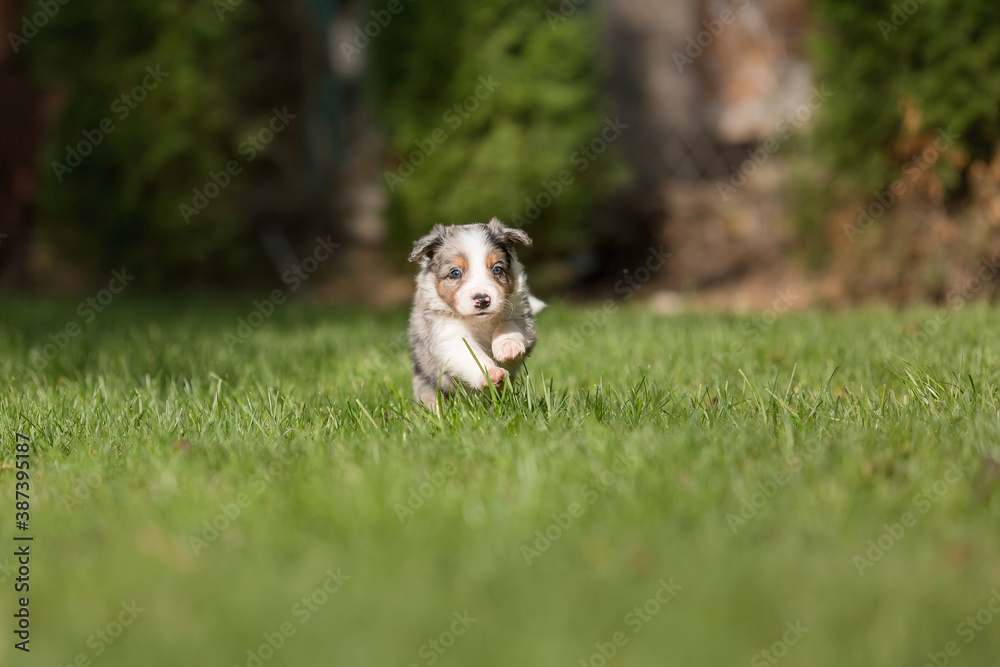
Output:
x,y
428,244
507,235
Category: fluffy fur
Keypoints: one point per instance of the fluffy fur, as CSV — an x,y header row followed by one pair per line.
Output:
x,y
472,292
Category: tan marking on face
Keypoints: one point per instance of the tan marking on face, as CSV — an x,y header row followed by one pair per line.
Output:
x,y
493,257
447,288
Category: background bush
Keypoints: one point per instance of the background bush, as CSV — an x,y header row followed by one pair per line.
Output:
x,y
121,205
524,134
936,59
900,72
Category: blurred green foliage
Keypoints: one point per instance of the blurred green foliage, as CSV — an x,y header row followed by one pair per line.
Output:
x,y
938,57
457,157
525,77
120,206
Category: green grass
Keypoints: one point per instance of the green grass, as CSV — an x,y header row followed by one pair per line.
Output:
x,y
654,432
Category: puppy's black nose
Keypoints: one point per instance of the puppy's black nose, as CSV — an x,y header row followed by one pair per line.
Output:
x,y
482,301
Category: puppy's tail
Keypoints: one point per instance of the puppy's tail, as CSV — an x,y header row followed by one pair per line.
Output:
x,y
536,304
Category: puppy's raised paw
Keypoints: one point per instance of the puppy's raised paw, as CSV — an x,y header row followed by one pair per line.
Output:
x,y
497,376
508,347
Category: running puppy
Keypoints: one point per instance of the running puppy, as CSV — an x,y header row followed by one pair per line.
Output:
x,y
470,290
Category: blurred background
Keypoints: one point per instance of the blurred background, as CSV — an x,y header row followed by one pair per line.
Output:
x,y
845,149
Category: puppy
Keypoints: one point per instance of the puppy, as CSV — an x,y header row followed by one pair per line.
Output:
x,y
472,292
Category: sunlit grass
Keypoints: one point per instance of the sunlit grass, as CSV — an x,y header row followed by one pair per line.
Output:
x,y
748,464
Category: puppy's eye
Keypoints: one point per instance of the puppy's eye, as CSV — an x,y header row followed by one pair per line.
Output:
x,y
497,270
455,274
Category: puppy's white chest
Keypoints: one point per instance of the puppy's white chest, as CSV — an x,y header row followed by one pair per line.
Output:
x,y
453,332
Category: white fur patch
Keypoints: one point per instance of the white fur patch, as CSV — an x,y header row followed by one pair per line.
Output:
x,y
475,245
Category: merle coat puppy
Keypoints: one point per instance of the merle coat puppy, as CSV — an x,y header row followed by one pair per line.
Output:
x,y
472,292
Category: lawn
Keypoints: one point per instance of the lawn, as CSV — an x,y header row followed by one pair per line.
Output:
x,y
696,489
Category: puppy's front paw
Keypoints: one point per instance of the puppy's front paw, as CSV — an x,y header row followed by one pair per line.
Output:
x,y
508,347
497,376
